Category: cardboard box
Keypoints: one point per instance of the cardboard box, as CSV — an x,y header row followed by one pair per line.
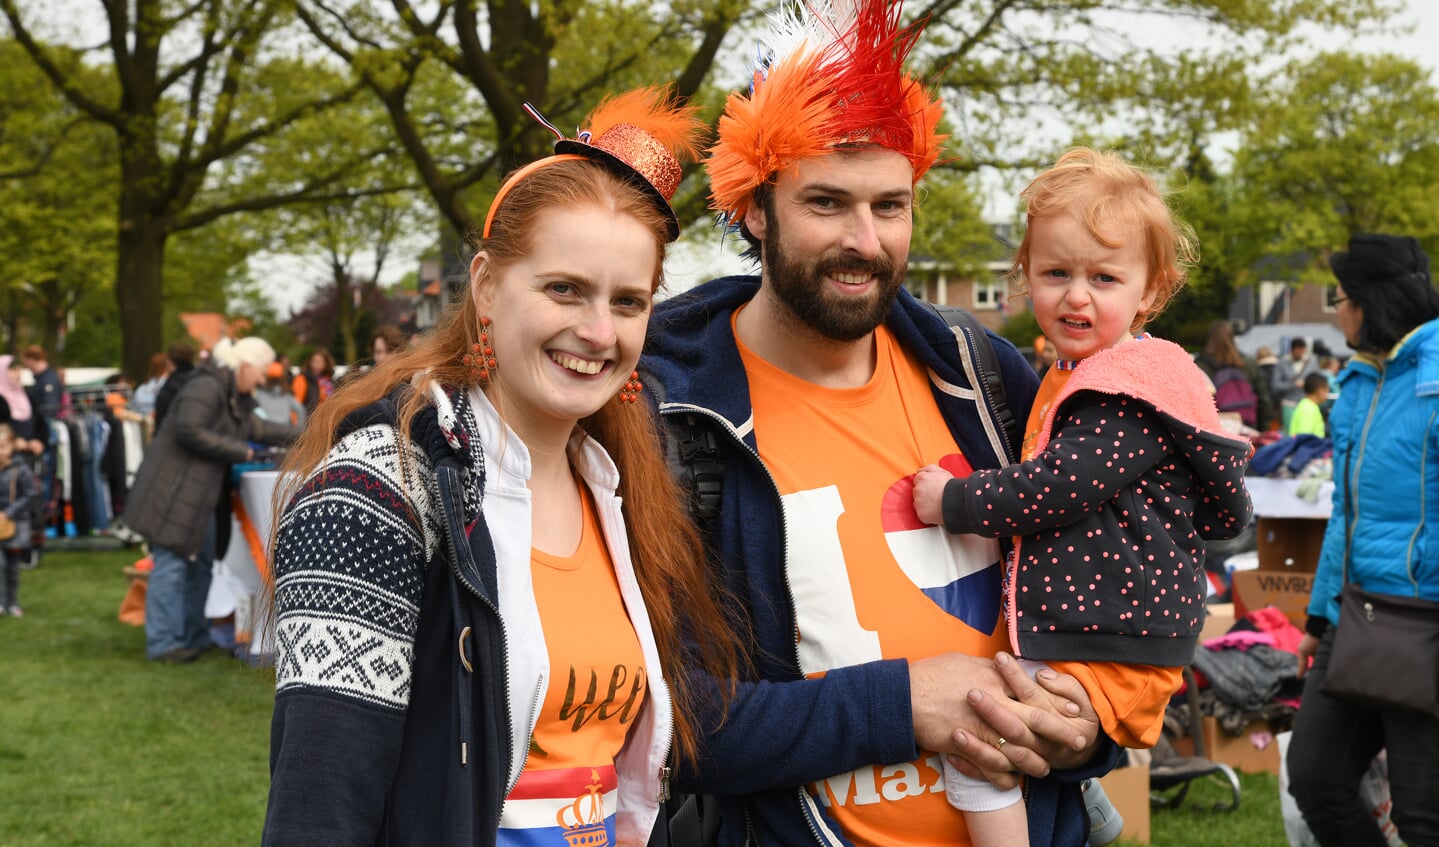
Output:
x,y
1255,750
1128,789
1286,591
1289,544
1218,621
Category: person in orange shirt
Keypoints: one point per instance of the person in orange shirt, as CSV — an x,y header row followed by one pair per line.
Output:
x,y
313,384
481,557
805,395
1127,469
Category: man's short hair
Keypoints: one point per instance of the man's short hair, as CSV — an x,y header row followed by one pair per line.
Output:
x,y
181,354
1298,344
34,353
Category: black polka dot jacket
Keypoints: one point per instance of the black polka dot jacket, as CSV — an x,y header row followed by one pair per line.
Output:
x,y
1132,472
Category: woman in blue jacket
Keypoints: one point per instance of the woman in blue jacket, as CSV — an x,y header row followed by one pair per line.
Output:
x,y
1385,427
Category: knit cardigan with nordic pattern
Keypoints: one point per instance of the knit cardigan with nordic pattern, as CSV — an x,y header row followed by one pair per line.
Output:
x,y
408,654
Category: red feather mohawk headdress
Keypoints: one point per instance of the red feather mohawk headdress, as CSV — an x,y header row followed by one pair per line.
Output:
x,y
639,135
833,74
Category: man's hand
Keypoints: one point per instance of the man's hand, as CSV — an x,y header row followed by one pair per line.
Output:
x,y
938,688
1048,724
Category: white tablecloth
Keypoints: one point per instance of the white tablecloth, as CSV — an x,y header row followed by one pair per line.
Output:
x,y
1276,498
236,579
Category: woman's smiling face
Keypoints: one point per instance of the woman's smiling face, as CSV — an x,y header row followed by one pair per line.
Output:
x,y
568,319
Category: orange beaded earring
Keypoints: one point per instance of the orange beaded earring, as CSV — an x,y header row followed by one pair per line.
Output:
x,y
630,393
480,361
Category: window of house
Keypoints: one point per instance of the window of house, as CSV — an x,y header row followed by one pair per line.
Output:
x,y
989,295
1273,301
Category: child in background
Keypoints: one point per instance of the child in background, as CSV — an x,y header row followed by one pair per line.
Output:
x,y
17,486
1330,367
1308,417
1126,467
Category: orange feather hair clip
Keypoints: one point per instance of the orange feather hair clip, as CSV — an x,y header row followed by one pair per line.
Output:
x,y
842,82
677,128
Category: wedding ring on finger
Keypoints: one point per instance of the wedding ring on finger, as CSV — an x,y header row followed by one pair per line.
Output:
x,y
999,745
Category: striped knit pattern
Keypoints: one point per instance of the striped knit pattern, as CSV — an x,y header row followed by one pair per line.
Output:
x,y
351,555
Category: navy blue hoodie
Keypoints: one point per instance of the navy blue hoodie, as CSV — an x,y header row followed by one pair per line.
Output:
x,y
777,738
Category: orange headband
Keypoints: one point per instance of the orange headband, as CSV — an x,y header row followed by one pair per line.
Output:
x,y
515,180
640,136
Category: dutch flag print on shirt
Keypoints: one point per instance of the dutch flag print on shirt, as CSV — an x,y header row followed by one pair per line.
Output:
x,y
568,807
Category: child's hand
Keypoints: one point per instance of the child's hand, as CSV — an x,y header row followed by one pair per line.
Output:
x,y
929,482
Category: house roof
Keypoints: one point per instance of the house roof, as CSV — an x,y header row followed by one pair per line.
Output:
x,y
205,327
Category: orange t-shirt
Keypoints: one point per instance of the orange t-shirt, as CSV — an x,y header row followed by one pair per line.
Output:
x,y
870,580
596,690
1128,698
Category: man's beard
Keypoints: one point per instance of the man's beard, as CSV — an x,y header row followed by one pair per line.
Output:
x,y
800,286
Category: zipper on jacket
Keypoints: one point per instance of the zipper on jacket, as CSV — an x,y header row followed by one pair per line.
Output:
x,y
1351,483
525,759
1409,560
970,360
665,771
779,498
447,480
804,806
789,588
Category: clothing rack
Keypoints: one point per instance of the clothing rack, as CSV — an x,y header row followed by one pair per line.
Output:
x,y
88,398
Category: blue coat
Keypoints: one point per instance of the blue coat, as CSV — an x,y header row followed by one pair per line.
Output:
x,y
1385,523
778,738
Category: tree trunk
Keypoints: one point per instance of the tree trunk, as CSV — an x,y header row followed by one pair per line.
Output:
x,y
55,307
345,315
139,282
140,265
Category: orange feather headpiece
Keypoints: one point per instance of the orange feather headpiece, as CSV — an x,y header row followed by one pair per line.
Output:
x,y
840,80
639,135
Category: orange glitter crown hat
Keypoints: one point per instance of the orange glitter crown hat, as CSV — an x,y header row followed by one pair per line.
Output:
x,y
831,73
640,136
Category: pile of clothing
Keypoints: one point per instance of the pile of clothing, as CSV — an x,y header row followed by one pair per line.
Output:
x,y
1248,674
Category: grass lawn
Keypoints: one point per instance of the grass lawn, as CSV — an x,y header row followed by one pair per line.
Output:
x,y
99,747
1257,822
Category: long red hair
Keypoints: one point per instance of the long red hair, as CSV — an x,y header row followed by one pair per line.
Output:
x,y
669,559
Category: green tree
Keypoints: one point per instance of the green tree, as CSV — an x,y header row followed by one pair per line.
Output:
x,y
949,226
1341,144
454,75
355,237
1152,77
1164,82
193,88
56,225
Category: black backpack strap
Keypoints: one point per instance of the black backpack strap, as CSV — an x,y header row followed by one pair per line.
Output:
x,y
696,462
688,820
986,363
